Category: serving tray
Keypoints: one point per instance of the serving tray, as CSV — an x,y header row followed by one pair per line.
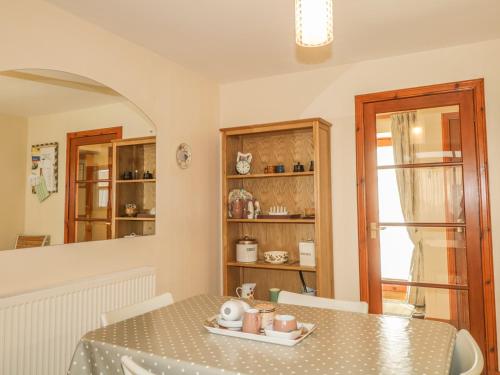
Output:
x,y
212,326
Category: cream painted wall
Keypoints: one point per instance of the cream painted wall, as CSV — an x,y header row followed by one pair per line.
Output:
x,y
47,217
184,107
329,93
13,132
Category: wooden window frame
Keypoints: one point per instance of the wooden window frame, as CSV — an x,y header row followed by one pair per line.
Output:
x,y
114,132
476,87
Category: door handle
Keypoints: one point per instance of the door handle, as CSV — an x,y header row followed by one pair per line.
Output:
x,y
374,228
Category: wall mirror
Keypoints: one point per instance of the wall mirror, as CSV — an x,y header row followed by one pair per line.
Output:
x,y
78,161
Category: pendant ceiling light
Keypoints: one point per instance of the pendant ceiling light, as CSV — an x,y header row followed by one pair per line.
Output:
x,y
313,22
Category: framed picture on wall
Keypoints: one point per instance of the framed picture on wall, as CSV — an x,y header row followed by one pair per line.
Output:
x,y
44,164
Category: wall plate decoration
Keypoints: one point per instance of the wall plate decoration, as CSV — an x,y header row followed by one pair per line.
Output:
x,y
183,155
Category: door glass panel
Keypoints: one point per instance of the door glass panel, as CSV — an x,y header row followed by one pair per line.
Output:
x,y
431,195
93,200
446,305
94,162
430,255
430,135
92,231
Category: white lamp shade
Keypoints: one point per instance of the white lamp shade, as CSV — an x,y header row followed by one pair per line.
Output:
x,y
313,22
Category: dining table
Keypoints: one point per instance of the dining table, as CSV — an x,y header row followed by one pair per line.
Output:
x,y
173,340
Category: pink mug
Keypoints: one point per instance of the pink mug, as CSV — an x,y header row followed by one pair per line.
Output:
x,y
284,323
251,321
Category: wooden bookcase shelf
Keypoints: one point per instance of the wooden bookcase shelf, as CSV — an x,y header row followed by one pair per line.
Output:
x,y
150,180
92,181
283,221
295,266
135,218
137,155
279,143
269,175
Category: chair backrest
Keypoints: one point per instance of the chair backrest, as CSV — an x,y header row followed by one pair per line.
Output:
x,y
131,368
325,303
24,241
140,308
467,356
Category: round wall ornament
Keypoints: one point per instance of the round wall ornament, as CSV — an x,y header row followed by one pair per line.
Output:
x,y
183,155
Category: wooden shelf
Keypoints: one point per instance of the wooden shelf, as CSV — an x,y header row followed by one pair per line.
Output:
x,y
135,218
135,181
99,219
269,175
284,143
134,154
261,264
282,221
92,181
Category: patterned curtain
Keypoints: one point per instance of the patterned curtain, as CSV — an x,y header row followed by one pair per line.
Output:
x,y
404,153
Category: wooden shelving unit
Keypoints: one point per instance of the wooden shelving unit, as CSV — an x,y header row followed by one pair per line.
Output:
x,y
137,155
270,144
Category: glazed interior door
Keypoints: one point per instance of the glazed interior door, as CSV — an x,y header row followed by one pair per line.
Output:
x,y
89,187
422,208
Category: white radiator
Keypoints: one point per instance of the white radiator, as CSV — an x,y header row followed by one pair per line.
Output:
x,y
39,330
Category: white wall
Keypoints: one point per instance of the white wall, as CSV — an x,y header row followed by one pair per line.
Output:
x,y
47,217
329,93
13,132
183,106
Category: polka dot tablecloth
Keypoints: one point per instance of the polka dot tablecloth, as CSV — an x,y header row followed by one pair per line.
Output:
x,y
172,340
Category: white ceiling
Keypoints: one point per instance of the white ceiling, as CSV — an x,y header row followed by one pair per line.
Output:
x,y
232,40
62,92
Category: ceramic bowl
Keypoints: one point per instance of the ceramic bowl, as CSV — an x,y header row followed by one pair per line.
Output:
x,y
276,257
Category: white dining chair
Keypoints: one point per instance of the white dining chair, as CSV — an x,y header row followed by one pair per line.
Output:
x,y
325,303
129,367
467,356
140,308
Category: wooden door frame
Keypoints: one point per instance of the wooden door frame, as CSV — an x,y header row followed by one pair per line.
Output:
x,y
117,131
476,87
456,315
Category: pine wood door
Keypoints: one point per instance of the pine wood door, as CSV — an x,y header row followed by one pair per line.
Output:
x,y
88,184
435,261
